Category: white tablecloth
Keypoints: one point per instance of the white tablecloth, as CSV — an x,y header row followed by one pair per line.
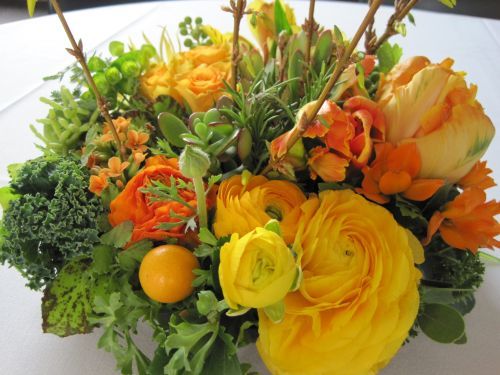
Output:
x,y
32,49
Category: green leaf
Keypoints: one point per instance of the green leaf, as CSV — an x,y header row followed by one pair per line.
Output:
x,y
207,237
130,258
411,19
159,361
7,194
66,303
323,49
296,68
276,312
103,256
222,359
388,56
441,323
449,3
119,236
31,6
207,302
280,20
172,128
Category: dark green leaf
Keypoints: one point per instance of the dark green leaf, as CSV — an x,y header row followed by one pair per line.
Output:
x,y
119,236
66,303
441,323
159,362
388,56
222,360
462,340
466,304
130,258
103,256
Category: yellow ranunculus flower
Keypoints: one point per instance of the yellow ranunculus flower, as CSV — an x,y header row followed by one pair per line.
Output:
x,y
202,86
256,270
358,297
431,105
263,26
245,205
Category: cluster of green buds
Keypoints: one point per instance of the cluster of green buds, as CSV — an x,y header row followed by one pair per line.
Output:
x,y
67,122
193,32
119,76
226,145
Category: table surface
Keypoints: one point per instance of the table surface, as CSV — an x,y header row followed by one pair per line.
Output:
x,y
35,48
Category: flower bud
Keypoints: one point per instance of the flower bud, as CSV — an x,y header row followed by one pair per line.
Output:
x,y
194,162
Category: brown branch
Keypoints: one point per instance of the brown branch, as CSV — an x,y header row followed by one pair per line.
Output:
x,y
310,26
305,120
402,8
237,9
77,52
370,34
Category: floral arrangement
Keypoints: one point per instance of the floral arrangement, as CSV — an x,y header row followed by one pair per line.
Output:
x,y
326,203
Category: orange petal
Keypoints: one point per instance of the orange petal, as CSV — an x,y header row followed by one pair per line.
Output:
x,y
432,228
405,157
458,239
479,177
464,203
394,182
339,137
422,189
330,167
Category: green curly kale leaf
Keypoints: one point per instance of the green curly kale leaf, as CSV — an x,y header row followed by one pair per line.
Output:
x,y
54,220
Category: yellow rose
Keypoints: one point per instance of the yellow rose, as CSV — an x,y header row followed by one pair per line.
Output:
x,y
203,85
209,54
358,297
256,270
157,81
432,106
263,26
245,205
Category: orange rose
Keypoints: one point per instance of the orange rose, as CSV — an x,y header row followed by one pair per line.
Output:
x,y
132,204
209,54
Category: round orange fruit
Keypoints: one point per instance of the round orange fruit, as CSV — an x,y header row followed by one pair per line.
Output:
x,y
166,273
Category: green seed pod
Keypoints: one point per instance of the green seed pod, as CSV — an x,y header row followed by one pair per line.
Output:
x,y
113,75
116,48
195,33
188,20
148,50
198,20
188,43
131,69
102,83
96,64
183,32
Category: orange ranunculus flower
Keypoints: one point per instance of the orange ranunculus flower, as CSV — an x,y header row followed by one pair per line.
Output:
x,y
359,294
201,87
132,204
244,204
432,106
395,171
348,135
468,222
478,177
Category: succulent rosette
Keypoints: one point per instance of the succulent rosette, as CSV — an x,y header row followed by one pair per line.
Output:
x,y
322,202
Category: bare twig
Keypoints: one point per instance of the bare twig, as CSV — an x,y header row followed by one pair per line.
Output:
x,y
77,52
401,10
237,9
310,26
306,119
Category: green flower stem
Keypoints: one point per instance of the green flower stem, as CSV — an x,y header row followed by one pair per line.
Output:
x,y
199,189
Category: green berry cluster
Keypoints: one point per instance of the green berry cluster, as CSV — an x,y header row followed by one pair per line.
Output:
x,y
119,76
193,32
